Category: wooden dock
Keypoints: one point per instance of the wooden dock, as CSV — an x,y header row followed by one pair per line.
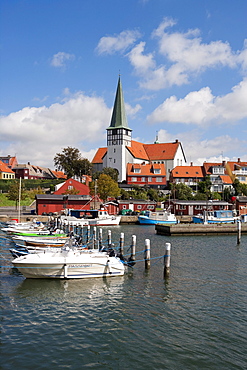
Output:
x,y
200,229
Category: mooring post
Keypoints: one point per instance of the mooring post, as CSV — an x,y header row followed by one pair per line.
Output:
x,y
167,260
239,231
100,238
88,233
121,245
133,251
109,238
94,237
147,254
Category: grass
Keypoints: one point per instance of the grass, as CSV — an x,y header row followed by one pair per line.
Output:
x,y
5,202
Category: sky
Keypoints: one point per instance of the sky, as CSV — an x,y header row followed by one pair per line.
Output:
x,y
183,68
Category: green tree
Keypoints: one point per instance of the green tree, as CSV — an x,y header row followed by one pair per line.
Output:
x,y
15,193
82,167
71,162
237,187
106,187
183,192
112,172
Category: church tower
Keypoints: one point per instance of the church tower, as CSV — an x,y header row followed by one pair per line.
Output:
x,y
118,136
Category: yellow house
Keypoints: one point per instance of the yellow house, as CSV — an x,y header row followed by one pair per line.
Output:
x,y
5,172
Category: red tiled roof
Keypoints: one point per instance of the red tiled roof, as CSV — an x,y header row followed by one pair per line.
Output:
x,y
137,150
5,168
234,165
163,151
146,152
59,174
99,155
226,179
207,166
146,170
187,171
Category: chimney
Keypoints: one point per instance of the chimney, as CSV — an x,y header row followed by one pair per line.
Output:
x,y
223,163
191,163
238,160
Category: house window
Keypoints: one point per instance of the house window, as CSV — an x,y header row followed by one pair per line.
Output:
x,y
149,179
150,206
181,206
143,179
198,207
124,207
139,206
219,170
137,170
158,179
133,179
157,170
70,187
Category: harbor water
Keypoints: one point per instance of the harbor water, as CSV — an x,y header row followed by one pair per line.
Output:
x,y
195,319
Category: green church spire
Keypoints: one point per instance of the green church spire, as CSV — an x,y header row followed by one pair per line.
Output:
x,y
118,119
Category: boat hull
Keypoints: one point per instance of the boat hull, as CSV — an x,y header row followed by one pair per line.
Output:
x,y
147,221
200,220
78,266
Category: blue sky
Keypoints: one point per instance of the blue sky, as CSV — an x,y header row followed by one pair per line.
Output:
x,y
183,67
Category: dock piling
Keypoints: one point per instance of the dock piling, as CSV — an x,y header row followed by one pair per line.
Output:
x,y
167,260
121,245
147,254
239,231
133,251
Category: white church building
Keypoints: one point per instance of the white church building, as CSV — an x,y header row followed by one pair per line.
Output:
x,y
152,163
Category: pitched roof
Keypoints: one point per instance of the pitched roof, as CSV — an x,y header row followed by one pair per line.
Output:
x,y
59,174
145,169
99,155
137,150
118,119
226,179
237,164
82,188
187,171
162,151
207,167
5,168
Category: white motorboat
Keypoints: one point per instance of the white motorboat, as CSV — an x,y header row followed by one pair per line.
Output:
x,y
157,217
91,217
69,263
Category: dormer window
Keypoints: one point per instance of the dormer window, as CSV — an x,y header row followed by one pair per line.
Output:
x,y
157,171
218,170
137,170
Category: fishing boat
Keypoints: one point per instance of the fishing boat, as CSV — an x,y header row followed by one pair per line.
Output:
x,y
91,217
70,263
215,217
157,217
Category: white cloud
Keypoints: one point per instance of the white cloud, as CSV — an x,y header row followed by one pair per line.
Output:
x,y
120,42
198,150
60,59
201,107
37,134
131,111
183,56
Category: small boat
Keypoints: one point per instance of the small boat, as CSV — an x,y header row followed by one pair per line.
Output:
x,y
39,241
157,217
91,217
33,232
215,217
69,263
